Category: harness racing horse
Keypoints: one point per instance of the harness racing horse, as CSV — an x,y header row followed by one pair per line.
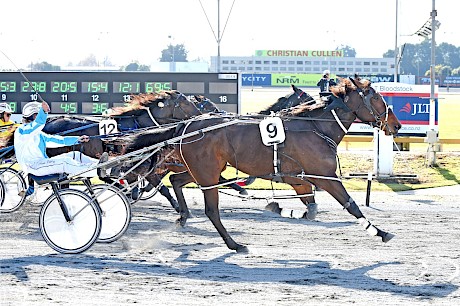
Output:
x,y
307,156
143,111
181,178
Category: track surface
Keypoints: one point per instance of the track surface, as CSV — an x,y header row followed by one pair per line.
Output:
x,y
331,261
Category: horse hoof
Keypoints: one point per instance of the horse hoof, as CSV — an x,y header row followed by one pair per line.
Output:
x,y
312,211
244,192
387,237
274,207
242,249
181,221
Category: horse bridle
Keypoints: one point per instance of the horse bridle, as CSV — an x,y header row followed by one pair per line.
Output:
x,y
379,123
299,96
177,105
202,105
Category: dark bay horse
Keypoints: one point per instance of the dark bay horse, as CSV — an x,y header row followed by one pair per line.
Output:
x,y
298,96
308,155
205,105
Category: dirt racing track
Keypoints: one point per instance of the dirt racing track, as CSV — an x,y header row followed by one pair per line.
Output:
x,y
330,261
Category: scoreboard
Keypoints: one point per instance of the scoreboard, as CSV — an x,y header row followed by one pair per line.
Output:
x,y
92,93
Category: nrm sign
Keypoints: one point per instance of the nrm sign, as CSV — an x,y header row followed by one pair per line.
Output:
x,y
310,80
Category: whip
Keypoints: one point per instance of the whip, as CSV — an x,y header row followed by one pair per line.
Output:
x,y
25,78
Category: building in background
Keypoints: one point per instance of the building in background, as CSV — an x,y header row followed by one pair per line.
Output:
x,y
303,61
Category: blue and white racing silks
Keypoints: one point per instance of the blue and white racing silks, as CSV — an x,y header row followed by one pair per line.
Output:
x,y
30,142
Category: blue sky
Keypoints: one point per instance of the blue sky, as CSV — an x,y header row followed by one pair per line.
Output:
x,y
62,32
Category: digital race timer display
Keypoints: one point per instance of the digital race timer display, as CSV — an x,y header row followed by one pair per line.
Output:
x,y
94,92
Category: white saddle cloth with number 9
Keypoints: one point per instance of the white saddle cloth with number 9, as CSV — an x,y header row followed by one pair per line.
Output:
x,y
272,131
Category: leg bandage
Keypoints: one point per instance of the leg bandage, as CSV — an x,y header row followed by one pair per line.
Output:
x,y
372,230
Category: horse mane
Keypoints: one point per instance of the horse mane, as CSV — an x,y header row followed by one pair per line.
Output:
x,y
345,85
71,118
280,105
140,101
302,109
277,106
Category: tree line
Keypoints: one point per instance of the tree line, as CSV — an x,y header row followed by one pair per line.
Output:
x,y
172,53
414,59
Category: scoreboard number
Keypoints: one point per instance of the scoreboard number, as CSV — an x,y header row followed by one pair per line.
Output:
x,y
92,93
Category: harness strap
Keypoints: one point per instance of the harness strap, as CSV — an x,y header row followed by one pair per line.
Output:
x,y
337,119
151,116
332,144
276,162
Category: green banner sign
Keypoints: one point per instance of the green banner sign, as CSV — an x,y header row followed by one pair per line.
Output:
x,y
299,53
286,79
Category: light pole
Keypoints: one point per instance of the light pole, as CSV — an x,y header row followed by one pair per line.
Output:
x,y
428,28
219,33
396,46
219,38
431,135
173,64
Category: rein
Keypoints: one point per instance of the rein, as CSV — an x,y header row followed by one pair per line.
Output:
x,y
78,129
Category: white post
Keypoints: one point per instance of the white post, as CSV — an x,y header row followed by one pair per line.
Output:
x,y
383,154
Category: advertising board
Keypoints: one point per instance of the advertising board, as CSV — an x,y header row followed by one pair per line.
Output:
x,y
410,103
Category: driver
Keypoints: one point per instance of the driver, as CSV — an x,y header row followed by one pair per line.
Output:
x,y
7,126
30,144
325,83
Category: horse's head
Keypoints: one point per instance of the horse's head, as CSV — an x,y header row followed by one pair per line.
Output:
x,y
367,104
205,105
297,97
177,105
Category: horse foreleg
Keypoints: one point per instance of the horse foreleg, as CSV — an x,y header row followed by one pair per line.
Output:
x,y
211,200
338,191
164,191
179,180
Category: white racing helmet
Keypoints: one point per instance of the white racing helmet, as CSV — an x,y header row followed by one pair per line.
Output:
x,y
5,107
31,108
326,72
